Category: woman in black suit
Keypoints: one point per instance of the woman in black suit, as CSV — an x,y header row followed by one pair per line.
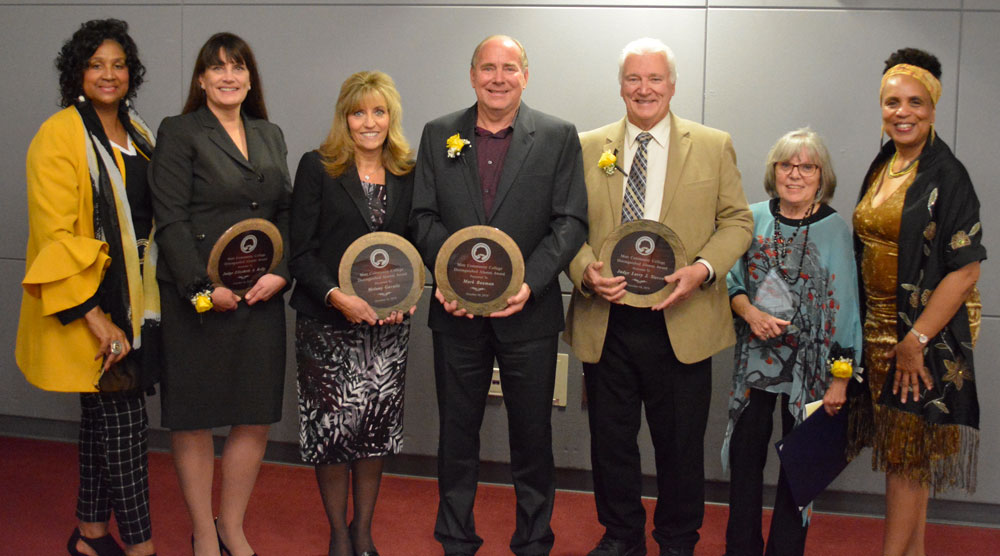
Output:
x,y
221,162
350,364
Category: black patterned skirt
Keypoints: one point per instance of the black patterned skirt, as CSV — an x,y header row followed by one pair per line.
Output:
x,y
350,385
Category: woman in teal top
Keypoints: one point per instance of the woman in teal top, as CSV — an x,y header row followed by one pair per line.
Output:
x,y
794,300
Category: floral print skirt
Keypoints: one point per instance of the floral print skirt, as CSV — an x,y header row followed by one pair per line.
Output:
x,y
350,387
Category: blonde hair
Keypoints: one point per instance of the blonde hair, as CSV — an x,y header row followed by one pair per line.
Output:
x,y
337,151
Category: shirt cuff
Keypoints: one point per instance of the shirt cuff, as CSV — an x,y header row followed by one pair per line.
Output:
x,y
326,298
711,271
67,316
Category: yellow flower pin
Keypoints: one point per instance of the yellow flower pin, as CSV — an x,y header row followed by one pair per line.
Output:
x,y
841,368
202,303
607,162
455,144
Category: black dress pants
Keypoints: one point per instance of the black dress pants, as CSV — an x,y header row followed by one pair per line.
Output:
x,y
463,368
638,368
748,449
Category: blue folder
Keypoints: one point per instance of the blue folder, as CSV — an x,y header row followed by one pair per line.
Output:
x,y
812,455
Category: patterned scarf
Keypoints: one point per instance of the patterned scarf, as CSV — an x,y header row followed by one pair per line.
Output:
x,y
129,292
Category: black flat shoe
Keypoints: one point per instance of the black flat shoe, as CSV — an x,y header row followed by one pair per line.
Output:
x,y
103,546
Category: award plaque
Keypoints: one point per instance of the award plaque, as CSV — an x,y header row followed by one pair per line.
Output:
x,y
385,270
480,267
644,252
246,251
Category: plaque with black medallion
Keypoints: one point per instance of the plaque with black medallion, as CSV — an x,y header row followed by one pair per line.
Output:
x,y
246,251
480,267
385,270
644,252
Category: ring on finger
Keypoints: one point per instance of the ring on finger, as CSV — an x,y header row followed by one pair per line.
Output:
x,y
116,347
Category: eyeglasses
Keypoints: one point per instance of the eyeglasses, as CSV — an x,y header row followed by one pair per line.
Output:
x,y
805,170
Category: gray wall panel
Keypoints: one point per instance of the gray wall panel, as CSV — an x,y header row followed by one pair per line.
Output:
x,y
307,54
845,4
760,88
461,3
993,5
978,121
17,396
34,95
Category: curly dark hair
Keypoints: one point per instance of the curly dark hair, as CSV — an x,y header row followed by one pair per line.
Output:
x,y
76,52
236,49
914,57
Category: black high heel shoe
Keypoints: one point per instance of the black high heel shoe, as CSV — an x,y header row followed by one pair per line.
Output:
x,y
103,546
222,547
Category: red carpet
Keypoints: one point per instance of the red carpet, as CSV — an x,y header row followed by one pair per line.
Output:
x,y
38,486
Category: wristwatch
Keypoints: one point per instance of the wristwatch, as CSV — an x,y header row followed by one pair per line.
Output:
x,y
922,338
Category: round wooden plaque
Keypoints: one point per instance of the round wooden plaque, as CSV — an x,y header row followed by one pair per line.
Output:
x,y
480,267
383,269
644,252
246,251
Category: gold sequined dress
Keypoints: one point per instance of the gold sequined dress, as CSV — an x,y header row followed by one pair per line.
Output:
x,y
903,443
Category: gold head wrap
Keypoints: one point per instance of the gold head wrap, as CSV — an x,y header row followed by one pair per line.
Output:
x,y
931,83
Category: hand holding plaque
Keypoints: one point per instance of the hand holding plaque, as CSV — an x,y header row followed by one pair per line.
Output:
x,y
479,267
644,252
385,270
246,251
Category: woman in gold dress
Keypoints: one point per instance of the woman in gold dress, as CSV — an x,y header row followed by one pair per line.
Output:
x,y
917,239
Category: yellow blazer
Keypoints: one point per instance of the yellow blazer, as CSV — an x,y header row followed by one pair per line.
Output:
x,y
703,202
64,262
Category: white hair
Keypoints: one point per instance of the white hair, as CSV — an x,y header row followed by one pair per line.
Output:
x,y
647,45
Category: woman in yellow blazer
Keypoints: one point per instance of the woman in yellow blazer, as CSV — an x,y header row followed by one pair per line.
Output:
x,y
84,303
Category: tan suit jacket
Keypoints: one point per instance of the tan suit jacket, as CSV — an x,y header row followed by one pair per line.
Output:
x,y
703,202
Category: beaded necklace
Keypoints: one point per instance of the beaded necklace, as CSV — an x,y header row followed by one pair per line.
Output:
x,y
781,250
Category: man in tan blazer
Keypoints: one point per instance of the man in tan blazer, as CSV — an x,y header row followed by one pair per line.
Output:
x,y
659,358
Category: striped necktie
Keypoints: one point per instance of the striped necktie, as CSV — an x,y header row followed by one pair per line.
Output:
x,y
633,208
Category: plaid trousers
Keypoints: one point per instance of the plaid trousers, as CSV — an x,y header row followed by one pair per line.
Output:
x,y
114,473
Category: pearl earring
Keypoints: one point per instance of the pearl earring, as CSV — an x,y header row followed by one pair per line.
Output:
x,y
81,99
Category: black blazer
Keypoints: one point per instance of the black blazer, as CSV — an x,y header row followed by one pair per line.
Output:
x,y
328,214
201,185
541,203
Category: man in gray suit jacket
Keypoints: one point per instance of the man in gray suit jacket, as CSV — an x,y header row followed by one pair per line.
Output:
x,y
521,172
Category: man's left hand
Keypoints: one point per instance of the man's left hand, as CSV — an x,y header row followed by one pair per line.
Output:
x,y
515,303
688,279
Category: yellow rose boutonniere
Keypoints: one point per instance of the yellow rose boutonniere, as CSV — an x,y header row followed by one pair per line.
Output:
x,y
455,145
607,162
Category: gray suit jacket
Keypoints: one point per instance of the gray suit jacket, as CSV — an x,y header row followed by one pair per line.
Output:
x,y
201,185
541,202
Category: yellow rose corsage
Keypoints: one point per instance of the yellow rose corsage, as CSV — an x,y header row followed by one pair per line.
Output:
x,y
842,368
200,295
202,302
